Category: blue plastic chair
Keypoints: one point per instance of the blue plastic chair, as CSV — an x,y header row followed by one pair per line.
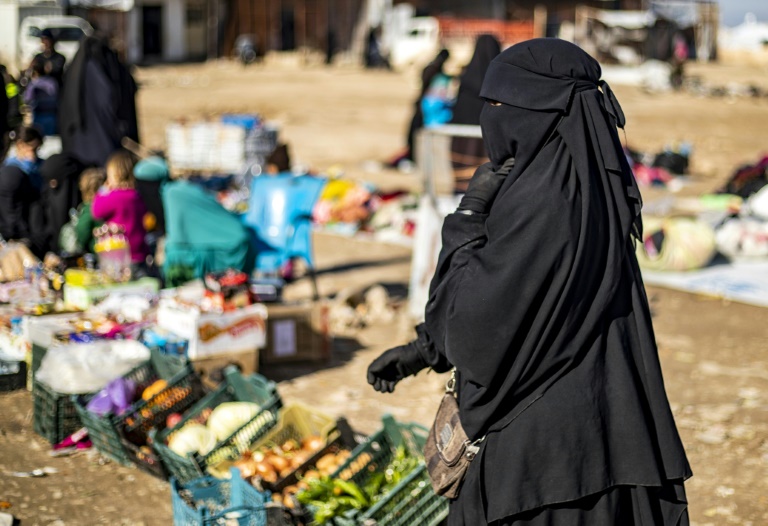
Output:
x,y
280,215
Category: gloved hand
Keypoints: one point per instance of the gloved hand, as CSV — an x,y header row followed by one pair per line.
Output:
x,y
484,186
394,365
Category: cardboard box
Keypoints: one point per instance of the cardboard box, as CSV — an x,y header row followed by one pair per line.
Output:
x,y
212,334
297,332
248,362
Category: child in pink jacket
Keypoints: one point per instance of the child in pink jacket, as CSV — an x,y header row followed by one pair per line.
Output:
x,y
122,205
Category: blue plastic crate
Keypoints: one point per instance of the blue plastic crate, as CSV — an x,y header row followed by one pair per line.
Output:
x,y
209,501
247,121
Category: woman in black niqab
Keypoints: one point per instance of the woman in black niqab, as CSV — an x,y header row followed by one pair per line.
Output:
x,y
98,104
538,302
467,153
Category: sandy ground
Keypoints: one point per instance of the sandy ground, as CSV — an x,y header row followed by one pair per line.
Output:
x,y
713,352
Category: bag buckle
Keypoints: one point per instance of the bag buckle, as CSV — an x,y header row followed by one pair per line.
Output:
x,y
450,385
472,448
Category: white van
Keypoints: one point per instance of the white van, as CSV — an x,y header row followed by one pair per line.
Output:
x,y
418,44
68,31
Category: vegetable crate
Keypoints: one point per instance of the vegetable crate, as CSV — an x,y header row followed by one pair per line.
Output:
x,y
234,388
412,501
297,422
13,375
55,416
123,438
209,501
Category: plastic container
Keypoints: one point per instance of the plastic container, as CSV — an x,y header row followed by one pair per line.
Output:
x,y
413,501
208,501
234,388
123,438
55,415
297,422
13,375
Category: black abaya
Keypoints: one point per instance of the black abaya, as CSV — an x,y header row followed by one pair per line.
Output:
x,y
61,191
98,106
541,308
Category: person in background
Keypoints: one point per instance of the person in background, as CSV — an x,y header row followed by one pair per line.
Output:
x,y
678,59
21,213
53,62
97,108
61,194
42,97
151,174
375,56
14,117
90,181
3,113
120,203
467,153
429,73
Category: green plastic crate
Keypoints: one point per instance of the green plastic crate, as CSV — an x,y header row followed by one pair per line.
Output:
x,y
413,501
120,437
55,415
235,388
13,375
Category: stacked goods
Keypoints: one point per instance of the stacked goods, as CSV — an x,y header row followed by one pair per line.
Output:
x,y
226,291
220,427
119,417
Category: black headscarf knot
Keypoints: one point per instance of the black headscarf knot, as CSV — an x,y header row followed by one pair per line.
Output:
x,y
612,105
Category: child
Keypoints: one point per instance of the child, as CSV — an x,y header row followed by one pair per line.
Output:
x,y
90,181
119,203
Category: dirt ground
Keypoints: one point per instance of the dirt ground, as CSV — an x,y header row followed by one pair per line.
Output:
x,y
713,352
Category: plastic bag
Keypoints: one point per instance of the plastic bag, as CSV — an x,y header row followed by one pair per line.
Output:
x,y
688,244
68,243
87,368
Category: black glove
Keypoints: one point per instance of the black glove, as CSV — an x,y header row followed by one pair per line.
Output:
x,y
484,186
394,365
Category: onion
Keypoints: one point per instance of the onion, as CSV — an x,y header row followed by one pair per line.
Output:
x,y
312,443
247,466
277,462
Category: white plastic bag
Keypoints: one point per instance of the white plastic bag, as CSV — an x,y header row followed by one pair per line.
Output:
x,y
688,244
89,367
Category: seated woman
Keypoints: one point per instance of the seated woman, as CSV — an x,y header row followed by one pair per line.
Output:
x,y
119,203
200,235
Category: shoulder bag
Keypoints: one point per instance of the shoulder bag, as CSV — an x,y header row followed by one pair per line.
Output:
x,y
448,451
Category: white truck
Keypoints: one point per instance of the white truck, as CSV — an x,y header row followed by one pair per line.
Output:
x,y
21,24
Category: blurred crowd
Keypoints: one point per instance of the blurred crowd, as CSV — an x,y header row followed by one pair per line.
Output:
x,y
85,110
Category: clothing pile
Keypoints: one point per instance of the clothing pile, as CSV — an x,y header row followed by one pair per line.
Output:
x,y
346,207
660,169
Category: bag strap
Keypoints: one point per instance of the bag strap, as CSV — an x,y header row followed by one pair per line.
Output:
x,y
472,447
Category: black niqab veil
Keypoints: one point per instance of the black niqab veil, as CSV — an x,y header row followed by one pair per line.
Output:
x,y
540,304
